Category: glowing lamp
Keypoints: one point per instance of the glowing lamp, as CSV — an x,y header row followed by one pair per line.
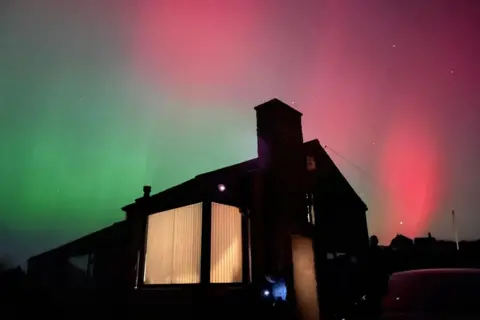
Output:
x,y
265,293
221,187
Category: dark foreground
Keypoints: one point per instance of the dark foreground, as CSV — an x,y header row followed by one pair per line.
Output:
x,y
134,305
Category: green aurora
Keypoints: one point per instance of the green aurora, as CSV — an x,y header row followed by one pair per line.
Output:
x,y
100,97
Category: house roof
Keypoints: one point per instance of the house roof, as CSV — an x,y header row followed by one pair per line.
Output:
x,y
117,233
113,235
312,147
276,104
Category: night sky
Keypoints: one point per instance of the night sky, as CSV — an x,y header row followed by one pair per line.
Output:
x,y
99,97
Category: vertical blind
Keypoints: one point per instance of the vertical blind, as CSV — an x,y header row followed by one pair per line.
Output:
x,y
226,244
173,248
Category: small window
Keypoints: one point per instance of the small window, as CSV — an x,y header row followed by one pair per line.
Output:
x,y
311,165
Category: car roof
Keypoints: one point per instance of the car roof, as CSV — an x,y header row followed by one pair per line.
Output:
x,y
437,272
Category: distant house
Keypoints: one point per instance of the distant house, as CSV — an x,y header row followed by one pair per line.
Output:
x,y
277,216
401,242
425,243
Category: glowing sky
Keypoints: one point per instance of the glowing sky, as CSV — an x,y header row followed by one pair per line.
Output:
x,y
99,97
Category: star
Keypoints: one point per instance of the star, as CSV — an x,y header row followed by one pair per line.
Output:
x,y
452,71
394,46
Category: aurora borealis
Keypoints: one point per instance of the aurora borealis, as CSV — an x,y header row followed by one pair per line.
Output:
x,y
98,98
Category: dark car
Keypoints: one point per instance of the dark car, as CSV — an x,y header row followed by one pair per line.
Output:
x,y
433,294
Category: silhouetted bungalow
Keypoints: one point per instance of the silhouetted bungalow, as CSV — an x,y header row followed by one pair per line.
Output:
x,y
425,240
425,243
94,260
401,242
276,216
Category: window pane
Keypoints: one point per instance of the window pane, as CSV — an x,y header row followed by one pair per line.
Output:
x,y
187,244
174,246
312,210
79,271
226,253
159,253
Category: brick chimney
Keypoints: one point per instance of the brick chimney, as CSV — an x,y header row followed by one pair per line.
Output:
x,y
279,134
280,196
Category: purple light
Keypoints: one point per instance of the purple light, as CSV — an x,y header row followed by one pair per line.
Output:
x,y
221,187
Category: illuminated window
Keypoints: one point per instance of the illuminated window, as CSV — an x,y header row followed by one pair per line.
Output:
x,y
226,244
310,208
173,249
312,212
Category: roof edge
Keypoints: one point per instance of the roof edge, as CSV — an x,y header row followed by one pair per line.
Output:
x,y
275,102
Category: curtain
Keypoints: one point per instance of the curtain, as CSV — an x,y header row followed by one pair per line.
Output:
x,y
187,245
173,247
226,244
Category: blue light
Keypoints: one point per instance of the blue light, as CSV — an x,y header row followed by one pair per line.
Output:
x,y
279,290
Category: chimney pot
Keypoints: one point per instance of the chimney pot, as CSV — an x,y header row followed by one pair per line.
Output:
x,y
146,191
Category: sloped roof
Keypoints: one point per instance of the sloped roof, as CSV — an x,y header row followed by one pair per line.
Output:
x,y
115,234
314,147
310,147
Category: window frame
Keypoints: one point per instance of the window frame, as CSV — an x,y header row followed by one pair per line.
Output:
x,y
205,252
